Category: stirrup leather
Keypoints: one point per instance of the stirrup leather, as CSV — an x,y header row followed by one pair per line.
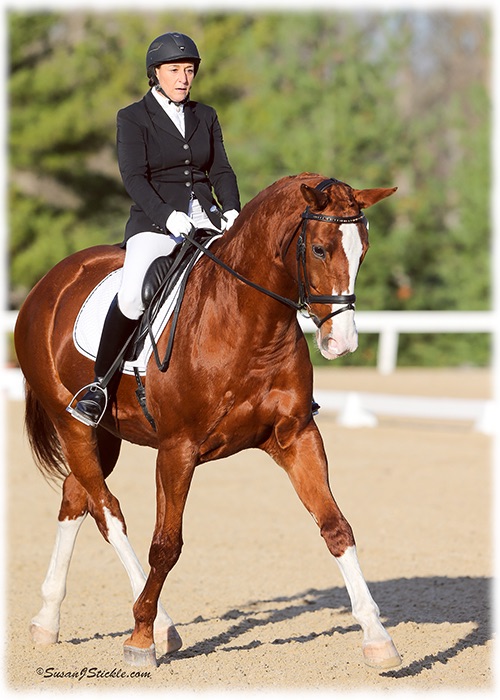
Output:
x,y
71,408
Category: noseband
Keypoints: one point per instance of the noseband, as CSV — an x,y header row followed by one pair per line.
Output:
x,y
305,296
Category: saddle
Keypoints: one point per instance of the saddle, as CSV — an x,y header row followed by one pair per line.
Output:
x,y
162,294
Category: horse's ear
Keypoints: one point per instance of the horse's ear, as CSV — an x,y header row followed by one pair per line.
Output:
x,y
315,198
366,198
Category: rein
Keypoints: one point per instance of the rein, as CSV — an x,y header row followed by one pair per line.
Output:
x,y
305,296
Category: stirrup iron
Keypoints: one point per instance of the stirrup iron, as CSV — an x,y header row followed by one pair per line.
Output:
x,y
96,386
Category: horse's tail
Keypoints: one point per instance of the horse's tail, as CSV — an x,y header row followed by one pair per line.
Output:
x,y
43,438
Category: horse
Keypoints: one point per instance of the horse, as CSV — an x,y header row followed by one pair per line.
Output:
x,y
240,376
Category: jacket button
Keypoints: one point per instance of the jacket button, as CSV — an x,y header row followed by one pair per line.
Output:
x,y
187,161
185,147
188,184
186,172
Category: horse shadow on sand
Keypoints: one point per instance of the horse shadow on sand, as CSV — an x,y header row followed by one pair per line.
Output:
x,y
421,600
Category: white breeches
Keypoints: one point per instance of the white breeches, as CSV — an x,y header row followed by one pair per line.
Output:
x,y
142,249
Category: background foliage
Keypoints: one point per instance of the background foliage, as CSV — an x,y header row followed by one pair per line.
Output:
x,y
375,99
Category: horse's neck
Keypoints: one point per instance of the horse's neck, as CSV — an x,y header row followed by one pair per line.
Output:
x,y
256,250
250,251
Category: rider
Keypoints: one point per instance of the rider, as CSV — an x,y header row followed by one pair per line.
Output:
x,y
171,156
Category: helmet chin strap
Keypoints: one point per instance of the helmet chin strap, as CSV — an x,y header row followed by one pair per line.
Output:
x,y
159,88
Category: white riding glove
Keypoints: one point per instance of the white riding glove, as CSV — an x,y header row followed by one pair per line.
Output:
x,y
179,223
230,217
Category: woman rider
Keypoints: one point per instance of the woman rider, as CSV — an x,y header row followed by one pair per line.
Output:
x,y
174,167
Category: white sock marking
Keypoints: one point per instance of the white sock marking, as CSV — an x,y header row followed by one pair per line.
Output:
x,y
54,585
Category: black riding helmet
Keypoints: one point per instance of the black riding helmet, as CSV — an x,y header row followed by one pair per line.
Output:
x,y
169,48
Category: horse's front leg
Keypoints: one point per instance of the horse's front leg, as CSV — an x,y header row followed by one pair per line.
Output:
x,y
303,457
174,471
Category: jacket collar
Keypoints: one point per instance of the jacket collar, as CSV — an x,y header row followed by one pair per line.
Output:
x,y
161,118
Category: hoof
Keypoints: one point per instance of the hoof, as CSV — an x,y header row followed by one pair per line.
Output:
x,y
134,656
381,655
167,641
42,636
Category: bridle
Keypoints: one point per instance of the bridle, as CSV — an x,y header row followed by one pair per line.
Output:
x,y
303,305
306,298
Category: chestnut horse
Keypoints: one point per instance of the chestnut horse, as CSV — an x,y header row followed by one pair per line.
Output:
x,y
239,377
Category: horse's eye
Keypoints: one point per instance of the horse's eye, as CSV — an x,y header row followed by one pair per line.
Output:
x,y
319,251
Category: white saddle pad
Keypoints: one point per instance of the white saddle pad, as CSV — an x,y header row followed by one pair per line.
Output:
x,y
90,320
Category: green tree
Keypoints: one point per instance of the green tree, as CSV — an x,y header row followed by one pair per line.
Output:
x,y
375,99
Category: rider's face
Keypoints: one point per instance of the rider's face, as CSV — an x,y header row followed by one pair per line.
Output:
x,y
176,79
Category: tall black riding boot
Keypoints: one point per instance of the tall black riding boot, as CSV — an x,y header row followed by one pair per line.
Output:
x,y
116,331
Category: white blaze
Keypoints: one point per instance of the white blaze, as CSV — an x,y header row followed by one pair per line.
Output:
x,y
351,242
343,337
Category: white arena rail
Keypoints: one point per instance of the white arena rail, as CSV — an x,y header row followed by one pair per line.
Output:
x,y
390,324
8,321
387,324
358,409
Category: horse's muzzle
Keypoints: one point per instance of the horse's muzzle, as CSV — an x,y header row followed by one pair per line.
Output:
x,y
337,342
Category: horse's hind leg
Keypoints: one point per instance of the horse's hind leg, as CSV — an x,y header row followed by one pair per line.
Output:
x,y
44,627
305,462
74,508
